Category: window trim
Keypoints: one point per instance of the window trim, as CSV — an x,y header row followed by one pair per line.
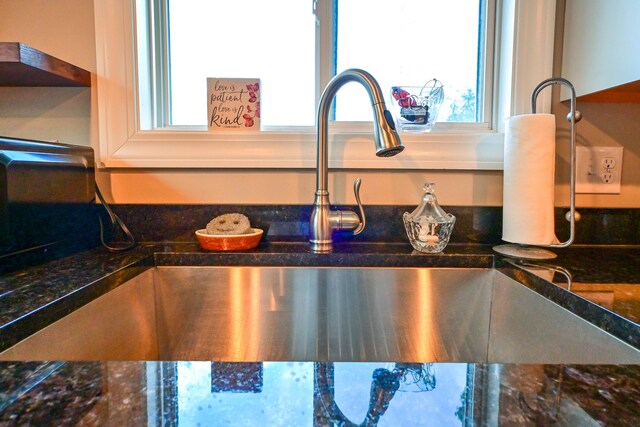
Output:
x,y
524,29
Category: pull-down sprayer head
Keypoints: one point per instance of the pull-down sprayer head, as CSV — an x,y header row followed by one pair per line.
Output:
x,y
385,135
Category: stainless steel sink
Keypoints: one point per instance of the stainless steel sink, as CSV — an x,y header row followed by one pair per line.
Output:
x,y
324,314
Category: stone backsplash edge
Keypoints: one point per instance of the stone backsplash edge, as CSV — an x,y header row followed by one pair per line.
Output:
x,y
282,223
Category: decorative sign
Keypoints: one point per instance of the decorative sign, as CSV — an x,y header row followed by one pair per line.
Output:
x,y
233,104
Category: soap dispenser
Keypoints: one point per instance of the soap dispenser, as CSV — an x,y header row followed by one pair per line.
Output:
x,y
429,227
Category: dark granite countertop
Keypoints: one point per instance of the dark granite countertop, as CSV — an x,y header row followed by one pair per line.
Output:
x,y
318,393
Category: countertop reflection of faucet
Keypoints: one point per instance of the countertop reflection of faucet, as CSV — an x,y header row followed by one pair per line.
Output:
x,y
384,385
324,220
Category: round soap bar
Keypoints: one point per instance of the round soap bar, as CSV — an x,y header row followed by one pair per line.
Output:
x,y
232,223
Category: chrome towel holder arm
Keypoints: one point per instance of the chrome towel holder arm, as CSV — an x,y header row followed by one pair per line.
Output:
x,y
573,117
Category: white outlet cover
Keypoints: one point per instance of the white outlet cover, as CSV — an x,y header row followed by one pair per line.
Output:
x,y
590,169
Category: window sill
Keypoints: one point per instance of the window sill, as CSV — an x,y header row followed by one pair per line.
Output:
x,y
286,150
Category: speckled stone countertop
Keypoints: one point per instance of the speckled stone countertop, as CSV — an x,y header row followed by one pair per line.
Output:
x,y
321,393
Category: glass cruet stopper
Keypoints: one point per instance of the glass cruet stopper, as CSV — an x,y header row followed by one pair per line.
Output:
x,y
429,207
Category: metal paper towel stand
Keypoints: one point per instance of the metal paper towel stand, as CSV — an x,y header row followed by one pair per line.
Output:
x,y
574,116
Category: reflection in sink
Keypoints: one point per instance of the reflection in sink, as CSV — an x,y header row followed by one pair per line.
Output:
x,y
324,314
620,298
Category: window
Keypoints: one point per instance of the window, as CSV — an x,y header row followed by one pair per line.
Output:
x,y
401,42
135,128
409,42
246,39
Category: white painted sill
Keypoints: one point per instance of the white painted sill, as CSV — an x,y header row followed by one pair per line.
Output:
x,y
287,150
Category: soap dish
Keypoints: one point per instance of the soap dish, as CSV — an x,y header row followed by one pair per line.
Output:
x,y
229,242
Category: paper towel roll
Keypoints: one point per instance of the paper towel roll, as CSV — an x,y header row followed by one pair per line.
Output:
x,y
529,179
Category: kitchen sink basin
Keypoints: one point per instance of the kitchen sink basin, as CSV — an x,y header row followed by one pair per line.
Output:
x,y
324,314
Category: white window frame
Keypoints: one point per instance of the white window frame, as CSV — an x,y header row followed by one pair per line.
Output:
x,y
523,57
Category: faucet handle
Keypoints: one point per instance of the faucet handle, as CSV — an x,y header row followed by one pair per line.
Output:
x,y
363,218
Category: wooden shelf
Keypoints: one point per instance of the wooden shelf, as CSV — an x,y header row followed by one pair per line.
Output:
x,y
626,93
21,65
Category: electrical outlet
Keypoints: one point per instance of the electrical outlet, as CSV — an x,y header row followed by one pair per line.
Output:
x,y
598,169
608,162
607,177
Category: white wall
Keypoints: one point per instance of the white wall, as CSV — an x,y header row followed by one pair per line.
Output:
x,y
65,29
603,124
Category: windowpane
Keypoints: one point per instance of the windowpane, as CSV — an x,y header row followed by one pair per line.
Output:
x,y
407,43
400,42
270,40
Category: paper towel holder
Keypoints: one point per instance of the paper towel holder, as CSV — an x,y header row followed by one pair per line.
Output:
x,y
535,251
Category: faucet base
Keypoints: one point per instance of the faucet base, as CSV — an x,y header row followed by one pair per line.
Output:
x,y
321,247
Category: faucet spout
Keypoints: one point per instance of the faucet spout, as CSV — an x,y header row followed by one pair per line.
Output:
x,y
324,220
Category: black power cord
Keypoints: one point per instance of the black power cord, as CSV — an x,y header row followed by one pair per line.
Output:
x,y
131,241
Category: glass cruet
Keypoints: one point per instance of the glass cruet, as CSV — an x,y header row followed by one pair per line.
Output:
x,y
429,227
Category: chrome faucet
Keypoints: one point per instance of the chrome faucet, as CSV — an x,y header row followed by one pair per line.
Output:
x,y
324,220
